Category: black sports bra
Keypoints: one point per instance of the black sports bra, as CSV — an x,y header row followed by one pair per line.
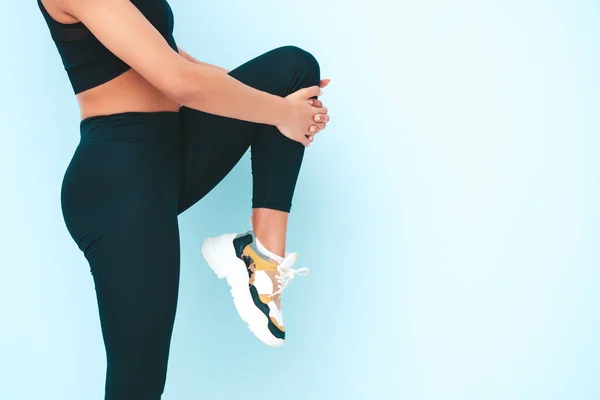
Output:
x,y
87,62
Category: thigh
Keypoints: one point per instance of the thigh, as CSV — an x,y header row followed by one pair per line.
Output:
x,y
136,276
119,200
212,145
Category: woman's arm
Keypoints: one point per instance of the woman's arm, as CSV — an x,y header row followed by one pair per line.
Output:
x,y
192,59
120,26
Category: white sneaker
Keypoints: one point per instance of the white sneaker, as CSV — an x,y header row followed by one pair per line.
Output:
x,y
256,281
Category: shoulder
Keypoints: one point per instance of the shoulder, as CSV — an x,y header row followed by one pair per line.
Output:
x,y
57,10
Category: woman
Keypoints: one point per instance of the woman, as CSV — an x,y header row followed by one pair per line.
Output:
x,y
159,130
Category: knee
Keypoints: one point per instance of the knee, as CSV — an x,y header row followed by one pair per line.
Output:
x,y
302,61
134,377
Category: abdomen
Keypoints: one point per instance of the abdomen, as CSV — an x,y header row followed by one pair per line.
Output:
x,y
127,92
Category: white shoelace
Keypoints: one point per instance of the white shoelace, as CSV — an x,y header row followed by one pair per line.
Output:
x,y
287,273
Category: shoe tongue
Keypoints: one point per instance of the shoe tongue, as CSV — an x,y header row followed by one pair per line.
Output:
x,y
289,260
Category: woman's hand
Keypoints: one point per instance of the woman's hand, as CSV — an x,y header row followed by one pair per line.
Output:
x,y
321,119
307,117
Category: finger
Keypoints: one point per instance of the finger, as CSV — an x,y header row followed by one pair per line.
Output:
x,y
310,91
319,126
324,82
319,110
304,140
316,128
315,102
321,118
313,129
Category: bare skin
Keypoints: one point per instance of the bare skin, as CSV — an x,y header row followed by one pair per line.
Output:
x,y
162,79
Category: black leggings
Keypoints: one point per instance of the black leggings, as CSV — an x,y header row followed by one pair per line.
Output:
x,y
132,174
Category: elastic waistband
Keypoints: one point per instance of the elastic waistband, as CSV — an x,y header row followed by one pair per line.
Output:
x,y
131,124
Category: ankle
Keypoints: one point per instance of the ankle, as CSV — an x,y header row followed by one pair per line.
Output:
x,y
268,253
271,227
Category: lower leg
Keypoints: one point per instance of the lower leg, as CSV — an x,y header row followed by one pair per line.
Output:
x,y
276,163
270,228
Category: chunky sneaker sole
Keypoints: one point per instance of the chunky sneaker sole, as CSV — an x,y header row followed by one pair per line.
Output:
x,y
221,257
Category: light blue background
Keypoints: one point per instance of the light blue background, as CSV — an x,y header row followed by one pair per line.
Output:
x,y
449,213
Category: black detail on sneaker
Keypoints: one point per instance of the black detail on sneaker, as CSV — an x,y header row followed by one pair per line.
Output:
x,y
248,261
240,242
278,333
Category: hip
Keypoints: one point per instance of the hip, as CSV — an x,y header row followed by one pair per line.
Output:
x,y
126,167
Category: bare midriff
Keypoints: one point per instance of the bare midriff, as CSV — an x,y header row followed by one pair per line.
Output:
x,y
127,92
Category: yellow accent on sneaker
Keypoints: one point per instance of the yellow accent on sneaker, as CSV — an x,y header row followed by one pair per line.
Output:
x,y
265,298
274,321
259,261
